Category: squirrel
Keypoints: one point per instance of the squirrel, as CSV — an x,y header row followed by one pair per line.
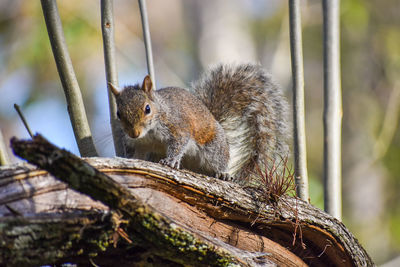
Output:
x,y
233,119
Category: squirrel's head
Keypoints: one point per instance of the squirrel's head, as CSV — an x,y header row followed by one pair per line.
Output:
x,y
136,107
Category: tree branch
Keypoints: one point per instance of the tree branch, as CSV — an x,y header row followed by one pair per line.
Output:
x,y
389,124
22,117
4,159
332,110
76,108
147,41
300,154
107,29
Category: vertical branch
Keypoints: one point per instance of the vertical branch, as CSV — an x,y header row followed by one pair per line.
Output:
x,y
300,154
332,109
389,124
107,28
68,79
147,40
4,159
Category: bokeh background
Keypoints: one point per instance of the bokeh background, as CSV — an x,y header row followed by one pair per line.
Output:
x,y
188,36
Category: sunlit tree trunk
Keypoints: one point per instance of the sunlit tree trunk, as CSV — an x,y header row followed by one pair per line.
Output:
x,y
299,141
332,110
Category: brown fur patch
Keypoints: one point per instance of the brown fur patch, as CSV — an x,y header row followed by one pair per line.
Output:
x,y
203,131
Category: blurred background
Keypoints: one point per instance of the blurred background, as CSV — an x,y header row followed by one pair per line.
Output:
x,y
188,36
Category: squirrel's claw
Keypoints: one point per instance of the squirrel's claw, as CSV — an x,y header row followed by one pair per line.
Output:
x,y
170,162
224,176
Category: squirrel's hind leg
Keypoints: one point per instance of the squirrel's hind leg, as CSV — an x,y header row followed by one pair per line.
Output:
x,y
216,154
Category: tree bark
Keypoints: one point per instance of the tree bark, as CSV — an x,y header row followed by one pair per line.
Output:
x,y
142,212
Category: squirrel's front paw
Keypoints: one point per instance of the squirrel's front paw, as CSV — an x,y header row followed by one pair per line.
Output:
x,y
170,162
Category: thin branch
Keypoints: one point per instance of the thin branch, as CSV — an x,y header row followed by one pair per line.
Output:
x,y
300,154
147,41
332,110
68,79
22,117
4,159
107,28
390,123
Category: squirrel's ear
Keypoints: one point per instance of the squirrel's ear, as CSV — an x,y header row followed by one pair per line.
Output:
x,y
115,90
147,84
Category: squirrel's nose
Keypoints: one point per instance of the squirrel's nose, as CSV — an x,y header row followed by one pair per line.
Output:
x,y
135,133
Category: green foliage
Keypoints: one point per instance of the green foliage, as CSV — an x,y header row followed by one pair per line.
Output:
x,y
316,192
391,40
355,17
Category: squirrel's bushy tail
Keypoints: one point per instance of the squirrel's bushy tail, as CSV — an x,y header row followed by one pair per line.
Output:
x,y
251,109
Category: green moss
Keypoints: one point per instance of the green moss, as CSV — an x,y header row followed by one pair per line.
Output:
x,y
174,237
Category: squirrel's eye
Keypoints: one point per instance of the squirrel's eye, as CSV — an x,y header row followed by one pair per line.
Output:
x,y
118,116
147,109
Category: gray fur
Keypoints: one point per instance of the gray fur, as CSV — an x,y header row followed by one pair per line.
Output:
x,y
251,109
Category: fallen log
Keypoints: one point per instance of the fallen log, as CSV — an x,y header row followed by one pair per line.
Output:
x,y
141,212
